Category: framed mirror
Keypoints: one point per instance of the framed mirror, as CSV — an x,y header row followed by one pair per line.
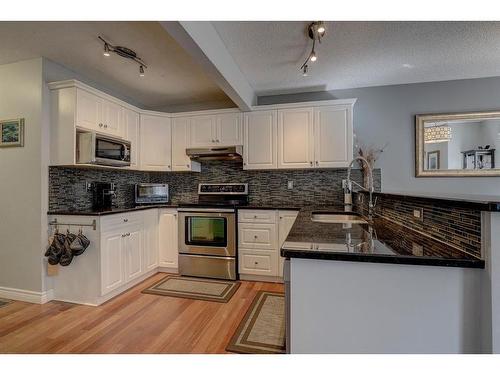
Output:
x,y
457,144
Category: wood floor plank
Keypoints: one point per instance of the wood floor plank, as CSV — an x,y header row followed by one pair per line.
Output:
x,y
132,322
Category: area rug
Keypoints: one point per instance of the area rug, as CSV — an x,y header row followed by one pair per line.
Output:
x,y
4,302
262,330
194,288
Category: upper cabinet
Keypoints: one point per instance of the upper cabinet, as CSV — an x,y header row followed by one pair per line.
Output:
x,y
98,114
295,138
130,121
180,142
260,140
222,129
156,150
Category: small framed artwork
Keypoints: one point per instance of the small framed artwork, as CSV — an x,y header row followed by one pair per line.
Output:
x,y
433,160
12,133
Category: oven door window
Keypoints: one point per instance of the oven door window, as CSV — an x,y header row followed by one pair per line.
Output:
x,y
206,231
109,150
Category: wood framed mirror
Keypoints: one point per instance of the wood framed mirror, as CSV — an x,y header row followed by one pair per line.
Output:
x,y
457,144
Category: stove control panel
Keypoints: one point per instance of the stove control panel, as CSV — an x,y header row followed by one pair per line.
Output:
x,y
223,189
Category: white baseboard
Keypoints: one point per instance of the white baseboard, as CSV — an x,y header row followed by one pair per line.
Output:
x,y
27,295
168,270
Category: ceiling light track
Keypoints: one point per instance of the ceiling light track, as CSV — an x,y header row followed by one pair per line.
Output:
x,y
315,31
125,53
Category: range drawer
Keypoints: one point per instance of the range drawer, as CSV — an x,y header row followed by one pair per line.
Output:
x,y
257,216
207,266
257,236
258,262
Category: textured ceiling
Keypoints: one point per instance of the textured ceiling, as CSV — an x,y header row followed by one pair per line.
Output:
x,y
173,81
361,54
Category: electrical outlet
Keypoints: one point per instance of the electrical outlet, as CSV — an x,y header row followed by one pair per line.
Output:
x,y
290,185
88,186
417,250
418,213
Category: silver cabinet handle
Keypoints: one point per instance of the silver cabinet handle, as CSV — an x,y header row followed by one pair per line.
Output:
x,y
125,220
123,235
100,125
128,234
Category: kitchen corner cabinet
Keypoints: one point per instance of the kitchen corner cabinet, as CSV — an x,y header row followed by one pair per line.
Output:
x,y
180,142
223,129
130,121
168,238
260,140
156,149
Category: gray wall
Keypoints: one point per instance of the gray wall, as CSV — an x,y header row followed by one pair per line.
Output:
x,y
386,114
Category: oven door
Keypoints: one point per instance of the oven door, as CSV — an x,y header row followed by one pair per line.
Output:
x,y
207,233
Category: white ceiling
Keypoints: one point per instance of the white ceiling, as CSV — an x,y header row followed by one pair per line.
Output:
x,y
173,81
361,54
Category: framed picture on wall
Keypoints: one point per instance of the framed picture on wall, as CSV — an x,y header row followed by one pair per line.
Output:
x,y
433,160
12,133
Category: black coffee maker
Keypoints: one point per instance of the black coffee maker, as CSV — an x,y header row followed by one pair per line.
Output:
x,y
103,194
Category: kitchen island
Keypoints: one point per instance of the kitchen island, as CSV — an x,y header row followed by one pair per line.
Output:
x,y
378,287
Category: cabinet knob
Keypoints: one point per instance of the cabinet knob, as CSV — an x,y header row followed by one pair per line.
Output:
x,y
317,162
125,220
217,140
187,165
255,236
311,163
100,125
168,166
105,125
213,140
256,263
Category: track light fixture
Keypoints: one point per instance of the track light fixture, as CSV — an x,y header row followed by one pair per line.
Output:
x,y
123,52
316,31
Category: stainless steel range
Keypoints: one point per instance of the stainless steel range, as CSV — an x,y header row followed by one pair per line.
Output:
x,y
207,231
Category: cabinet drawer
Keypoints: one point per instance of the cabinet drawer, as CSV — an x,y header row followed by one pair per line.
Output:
x,y
257,236
257,216
258,262
122,219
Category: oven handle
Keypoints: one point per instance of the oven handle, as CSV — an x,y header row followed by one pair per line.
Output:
x,y
195,210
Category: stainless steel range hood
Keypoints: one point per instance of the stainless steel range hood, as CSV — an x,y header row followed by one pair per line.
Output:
x,y
216,153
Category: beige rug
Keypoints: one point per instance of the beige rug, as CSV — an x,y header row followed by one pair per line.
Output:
x,y
262,330
194,288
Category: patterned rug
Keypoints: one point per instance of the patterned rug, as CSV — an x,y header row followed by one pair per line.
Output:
x,y
194,288
4,302
262,330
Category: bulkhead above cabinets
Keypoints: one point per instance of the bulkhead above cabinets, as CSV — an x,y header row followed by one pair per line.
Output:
x,y
289,136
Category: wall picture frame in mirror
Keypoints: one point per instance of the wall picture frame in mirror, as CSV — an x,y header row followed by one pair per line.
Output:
x,y
457,144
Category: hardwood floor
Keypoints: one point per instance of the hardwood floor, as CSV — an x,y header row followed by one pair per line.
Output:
x,y
130,323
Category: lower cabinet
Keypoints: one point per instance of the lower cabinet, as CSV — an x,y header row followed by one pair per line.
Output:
x,y
150,247
168,233
112,261
260,237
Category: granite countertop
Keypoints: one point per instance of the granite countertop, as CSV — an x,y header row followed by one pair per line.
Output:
x,y
379,241
111,211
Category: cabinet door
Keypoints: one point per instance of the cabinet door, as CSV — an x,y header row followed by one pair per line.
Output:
x,y
229,129
333,136
150,250
260,132
181,141
286,220
111,118
112,261
130,120
133,250
168,233
155,143
295,138
203,131
88,110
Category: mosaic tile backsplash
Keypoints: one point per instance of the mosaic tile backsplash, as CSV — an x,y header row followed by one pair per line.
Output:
x,y
442,220
310,187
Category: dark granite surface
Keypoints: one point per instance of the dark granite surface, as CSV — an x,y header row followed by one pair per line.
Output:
x,y
114,210
379,241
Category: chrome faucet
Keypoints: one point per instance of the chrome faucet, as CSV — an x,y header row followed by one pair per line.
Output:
x,y
348,184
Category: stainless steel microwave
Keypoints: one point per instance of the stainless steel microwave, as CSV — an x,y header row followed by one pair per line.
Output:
x,y
94,148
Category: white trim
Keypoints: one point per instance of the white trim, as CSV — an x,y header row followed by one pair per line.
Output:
x,y
168,270
27,295
266,279
318,103
205,112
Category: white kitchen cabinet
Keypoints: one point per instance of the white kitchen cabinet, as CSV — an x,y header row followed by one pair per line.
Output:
x,y
156,150
111,118
333,136
258,262
168,238
180,142
257,236
150,247
130,120
285,224
229,129
295,138
223,129
112,260
260,140
133,252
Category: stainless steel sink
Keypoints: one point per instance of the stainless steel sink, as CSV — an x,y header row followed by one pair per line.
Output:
x,y
337,218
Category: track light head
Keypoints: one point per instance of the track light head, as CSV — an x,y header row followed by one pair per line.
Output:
x,y
141,71
106,50
313,56
321,28
304,71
